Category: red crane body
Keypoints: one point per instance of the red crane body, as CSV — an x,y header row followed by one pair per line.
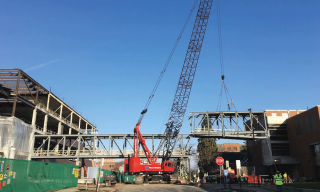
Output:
x,y
135,165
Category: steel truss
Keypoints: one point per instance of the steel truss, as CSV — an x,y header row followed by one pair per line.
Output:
x,y
233,125
98,146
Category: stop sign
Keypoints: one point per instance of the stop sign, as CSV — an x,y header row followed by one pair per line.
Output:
x,y
219,160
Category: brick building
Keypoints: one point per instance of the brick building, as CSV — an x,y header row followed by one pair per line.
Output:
x,y
304,136
109,164
293,145
229,147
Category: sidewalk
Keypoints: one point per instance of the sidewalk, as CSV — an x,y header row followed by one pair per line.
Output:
x,y
73,189
83,188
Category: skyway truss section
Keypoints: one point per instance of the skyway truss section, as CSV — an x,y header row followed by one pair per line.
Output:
x,y
231,125
98,146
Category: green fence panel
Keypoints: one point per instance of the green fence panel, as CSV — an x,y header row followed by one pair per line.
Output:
x,y
33,176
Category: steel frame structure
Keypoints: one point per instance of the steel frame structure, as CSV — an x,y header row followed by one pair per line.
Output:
x,y
227,125
26,99
87,146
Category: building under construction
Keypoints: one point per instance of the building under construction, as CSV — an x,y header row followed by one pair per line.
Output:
x,y
26,109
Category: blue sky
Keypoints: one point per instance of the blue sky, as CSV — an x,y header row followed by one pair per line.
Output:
x,y
104,57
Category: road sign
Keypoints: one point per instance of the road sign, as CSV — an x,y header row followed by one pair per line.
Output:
x,y
219,160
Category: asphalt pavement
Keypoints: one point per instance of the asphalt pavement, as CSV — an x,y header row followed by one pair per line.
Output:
x,y
169,188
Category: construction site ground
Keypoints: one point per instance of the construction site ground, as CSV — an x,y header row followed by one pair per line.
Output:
x,y
167,187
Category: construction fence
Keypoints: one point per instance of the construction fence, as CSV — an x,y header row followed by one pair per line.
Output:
x,y
33,176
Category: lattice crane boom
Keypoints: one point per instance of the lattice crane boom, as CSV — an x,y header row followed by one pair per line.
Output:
x,y
183,90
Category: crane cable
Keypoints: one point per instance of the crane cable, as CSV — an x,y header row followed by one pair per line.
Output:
x,y
166,64
223,86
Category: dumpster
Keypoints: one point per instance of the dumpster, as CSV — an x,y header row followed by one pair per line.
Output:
x,y
211,179
129,179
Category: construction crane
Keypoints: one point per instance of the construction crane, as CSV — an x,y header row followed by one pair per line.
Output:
x,y
133,164
183,90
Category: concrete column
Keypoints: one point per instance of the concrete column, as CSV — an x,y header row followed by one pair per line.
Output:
x,y
57,146
31,139
79,122
69,148
48,102
59,128
61,108
60,123
71,117
34,117
45,125
77,162
82,172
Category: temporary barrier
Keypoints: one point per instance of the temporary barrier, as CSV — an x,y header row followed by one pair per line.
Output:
x,y
32,176
254,179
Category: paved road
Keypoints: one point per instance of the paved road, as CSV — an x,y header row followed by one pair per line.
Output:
x,y
159,188
166,187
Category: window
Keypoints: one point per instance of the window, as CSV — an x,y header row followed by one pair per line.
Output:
x,y
317,150
228,148
166,164
273,114
235,148
169,164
